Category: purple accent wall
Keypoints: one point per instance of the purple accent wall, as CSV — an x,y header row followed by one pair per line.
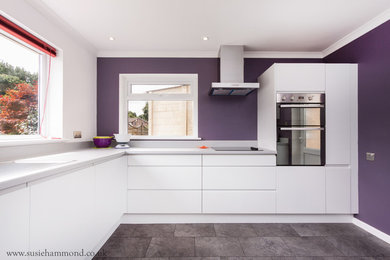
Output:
x,y
372,52
219,117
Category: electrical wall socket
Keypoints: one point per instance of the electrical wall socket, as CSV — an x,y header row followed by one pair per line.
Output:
x,y
76,134
370,156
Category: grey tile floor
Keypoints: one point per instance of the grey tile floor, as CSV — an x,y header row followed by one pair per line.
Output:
x,y
243,242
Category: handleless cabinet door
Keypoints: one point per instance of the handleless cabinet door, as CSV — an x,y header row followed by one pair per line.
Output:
x,y
300,77
14,222
111,193
62,213
338,114
338,190
300,190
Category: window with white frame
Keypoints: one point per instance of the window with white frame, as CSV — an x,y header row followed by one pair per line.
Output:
x,y
159,106
19,88
24,63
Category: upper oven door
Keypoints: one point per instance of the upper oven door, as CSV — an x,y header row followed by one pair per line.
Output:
x,y
300,115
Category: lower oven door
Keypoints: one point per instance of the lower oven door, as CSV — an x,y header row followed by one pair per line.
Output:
x,y
301,146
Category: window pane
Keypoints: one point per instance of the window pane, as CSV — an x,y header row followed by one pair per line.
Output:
x,y
313,138
19,68
160,89
160,118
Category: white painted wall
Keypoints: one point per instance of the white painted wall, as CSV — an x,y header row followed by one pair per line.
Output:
x,y
79,66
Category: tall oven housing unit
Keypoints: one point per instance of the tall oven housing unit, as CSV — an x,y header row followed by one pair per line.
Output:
x,y
308,114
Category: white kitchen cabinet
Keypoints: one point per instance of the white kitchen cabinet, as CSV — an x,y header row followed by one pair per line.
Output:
x,y
239,184
239,202
164,160
62,213
340,112
239,178
297,77
239,160
164,184
300,190
164,201
168,177
111,194
338,190
14,222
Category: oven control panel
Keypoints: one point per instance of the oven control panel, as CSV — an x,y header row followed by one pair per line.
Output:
x,y
300,98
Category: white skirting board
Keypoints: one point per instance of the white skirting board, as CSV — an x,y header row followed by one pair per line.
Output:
x,y
370,229
232,218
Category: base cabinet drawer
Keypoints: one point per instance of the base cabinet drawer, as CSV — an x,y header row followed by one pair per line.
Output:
x,y
164,201
237,202
148,177
239,160
164,160
239,178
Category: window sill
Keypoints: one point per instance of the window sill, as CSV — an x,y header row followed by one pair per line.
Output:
x,y
19,142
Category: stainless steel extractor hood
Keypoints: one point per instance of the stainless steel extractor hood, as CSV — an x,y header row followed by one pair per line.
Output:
x,y
232,73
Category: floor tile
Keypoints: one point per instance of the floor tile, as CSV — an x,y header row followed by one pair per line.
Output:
x,y
125,247
194,230
234,230
218,246
264,246
124,230
360,246
313,229
246,258
311,246
349,258
274,230
172,246
146,258
154,230
194,258
347,229
328,229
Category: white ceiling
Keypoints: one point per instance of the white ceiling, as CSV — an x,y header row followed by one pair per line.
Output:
x,y
173,26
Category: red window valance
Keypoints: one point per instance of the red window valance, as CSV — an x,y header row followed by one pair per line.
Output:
x,y
26,37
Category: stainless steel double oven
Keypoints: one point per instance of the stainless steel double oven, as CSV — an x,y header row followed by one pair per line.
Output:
x,y
300,129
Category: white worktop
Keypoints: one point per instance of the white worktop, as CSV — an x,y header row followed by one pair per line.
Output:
x,y
27,170
194,150
23,171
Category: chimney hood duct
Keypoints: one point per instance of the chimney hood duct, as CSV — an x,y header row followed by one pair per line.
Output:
x,y
232,73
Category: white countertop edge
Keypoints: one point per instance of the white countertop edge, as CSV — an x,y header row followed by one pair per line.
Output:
x,y
202,153
56,170
189,151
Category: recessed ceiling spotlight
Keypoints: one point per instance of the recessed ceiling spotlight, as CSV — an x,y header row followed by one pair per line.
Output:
x,y
111,38
205,38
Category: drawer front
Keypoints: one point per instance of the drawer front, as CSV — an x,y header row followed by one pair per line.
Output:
x,y
239,160
148,177
239,178
141,201
164,160
241,202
